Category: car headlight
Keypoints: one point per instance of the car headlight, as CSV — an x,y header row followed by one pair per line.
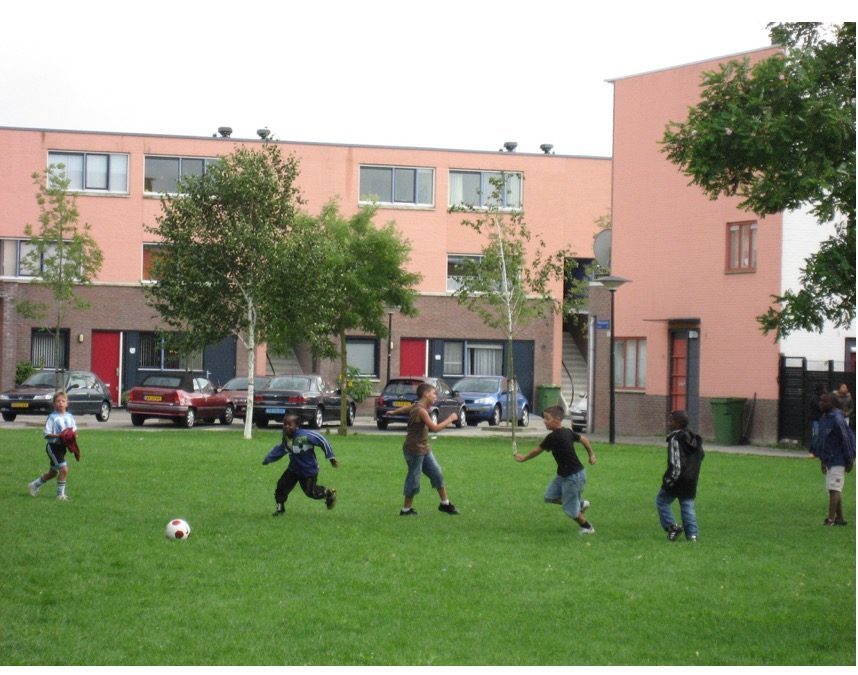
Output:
x,y
483,401
4,397
43,397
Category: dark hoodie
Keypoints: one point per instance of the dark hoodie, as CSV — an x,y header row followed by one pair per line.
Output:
x,y
684,457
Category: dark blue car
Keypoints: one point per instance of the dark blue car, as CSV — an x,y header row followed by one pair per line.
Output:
x,y
486,400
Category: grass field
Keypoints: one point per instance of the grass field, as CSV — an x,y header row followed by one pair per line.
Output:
x,y
93,581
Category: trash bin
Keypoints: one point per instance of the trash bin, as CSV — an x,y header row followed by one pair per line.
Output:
x,y
546,395
727,416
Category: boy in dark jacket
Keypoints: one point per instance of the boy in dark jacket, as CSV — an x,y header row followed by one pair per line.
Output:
x,y
684,456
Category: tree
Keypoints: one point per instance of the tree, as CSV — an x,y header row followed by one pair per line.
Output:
x,y
509,284
781,135
62,256
357,271
222,237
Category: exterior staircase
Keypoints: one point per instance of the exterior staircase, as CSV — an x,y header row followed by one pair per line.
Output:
x,y
574,372
283,364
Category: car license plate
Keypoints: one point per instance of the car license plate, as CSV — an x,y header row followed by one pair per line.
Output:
x,y
401,404
152,397
275,411
20,404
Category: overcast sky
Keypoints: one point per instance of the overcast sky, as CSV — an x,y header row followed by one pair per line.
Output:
x,y
465,74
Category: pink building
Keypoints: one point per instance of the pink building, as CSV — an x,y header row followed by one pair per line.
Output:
x,y
119,178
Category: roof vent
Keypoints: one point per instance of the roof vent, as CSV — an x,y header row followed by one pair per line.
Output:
x,y
263,133
547,148
225,132
510,146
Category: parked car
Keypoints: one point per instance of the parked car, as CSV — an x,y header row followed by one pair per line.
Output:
x,y
236,391
487,400
578,412
183,397
311,397
87,395
402,391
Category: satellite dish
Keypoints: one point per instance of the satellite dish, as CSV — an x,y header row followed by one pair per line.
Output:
x,y
602,248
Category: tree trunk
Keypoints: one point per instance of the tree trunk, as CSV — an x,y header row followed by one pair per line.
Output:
x,y
251,379
342,430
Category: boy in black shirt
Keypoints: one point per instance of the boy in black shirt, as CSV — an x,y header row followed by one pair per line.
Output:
x,y
568,484
684,456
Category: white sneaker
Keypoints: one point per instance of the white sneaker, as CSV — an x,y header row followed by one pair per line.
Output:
x,y
63,498
584,505
587,530
33,490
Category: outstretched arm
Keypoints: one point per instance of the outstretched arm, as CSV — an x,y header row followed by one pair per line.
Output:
x,y
530,455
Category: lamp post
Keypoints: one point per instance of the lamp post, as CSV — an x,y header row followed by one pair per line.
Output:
x,y
612,283
389,339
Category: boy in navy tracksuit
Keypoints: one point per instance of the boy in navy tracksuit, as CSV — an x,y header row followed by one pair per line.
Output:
x,y
303,468
684,457
834,445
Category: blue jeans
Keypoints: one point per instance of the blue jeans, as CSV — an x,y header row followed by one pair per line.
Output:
x,y
418,464
665,512
567,491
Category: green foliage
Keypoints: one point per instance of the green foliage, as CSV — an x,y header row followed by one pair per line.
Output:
x,y
23,370
355,385
781,135
343,587
62,256
222,240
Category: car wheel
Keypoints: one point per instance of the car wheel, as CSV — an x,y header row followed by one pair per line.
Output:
x,y
104,414
462,421
262,422
494,420
9,417
190,419
525,417
350,415
228,416
137,420
318,418
381,424
434,416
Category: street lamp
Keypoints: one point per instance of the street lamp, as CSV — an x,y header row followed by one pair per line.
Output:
x,y
612,283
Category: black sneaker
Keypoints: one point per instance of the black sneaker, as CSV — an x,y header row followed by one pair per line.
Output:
x,y
449,508
840,521
281,510
330,498
409,512
674,532
828,522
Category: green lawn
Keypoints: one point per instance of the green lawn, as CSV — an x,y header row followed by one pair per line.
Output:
x,y
94,582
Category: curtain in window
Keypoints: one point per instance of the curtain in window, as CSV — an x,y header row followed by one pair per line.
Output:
x,y
486,360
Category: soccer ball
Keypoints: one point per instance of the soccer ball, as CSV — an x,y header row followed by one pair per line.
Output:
x,y
177,529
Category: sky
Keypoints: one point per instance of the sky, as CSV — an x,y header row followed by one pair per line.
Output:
x,y
464,74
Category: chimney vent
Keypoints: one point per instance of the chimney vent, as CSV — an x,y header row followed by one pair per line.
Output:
x,y
546,148
510,146
225,132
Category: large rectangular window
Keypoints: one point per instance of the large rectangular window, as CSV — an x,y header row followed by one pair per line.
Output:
x,y
362,353
482,189
454,358
163,173
397,185
150,253
46,352
630,363
742,247
456,270
156,353
485,359
93,171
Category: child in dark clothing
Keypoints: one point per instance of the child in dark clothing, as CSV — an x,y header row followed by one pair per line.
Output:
x,y
684,456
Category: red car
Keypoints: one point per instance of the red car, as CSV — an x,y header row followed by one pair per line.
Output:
x,y
183,397
236,391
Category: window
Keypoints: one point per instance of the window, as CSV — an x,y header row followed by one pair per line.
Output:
x,y
741,247
397,185
150,252
362,353
156,353
43,348
163,173
481,189
456,269
93,172
630,363
454,359
485,359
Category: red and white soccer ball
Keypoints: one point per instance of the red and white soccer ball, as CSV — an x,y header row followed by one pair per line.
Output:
x,y
177,529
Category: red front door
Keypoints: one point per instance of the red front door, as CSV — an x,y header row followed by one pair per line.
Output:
x,y
106,347
678,372
412,357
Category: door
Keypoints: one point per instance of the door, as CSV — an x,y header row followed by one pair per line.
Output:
x,y
412,357
105,359
685,374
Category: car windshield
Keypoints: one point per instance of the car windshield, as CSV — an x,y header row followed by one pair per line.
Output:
x,y
236,383
166,381
43,379
299,383
402,388
481,385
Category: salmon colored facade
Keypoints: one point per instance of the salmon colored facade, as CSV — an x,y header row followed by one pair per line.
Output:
x,y
562,197
673,243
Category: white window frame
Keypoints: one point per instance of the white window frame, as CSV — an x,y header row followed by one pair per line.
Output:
x,y
486,190
115,175
394,174
623,348
181,159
